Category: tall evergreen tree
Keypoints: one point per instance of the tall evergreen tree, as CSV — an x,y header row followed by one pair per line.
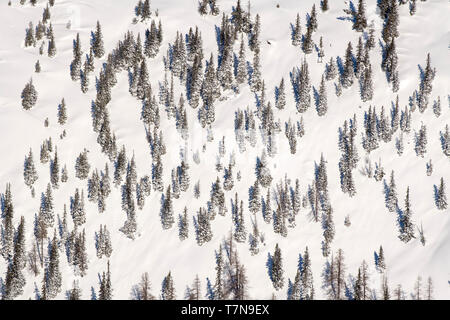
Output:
x,y
29,95
15,280
440,196
82,166
280,95
242,64
167,218
405,223
322,101
276,269
168,289
97,42
54,171
306,277
348,73
29,173
313,19
256,82
297,32
52,276
62,112
360,21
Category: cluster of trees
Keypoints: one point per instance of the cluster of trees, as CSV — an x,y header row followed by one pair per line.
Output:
x,y
301,85
43,28
203,6
382,127
205,80
142,10
305,40
79,71
245,128
349,158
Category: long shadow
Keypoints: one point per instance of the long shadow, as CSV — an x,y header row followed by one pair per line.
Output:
x,y
269,265
292,31
436,195
235,64
340,65
316,98
250,73
93,294
294,77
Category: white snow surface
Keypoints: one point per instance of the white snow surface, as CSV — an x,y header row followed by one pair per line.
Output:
x,y
156,250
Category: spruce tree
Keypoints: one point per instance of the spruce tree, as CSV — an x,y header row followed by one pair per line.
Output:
x,y
167,218
37,67
390,27
391,194
168,289
53,275
380,260
214,7
276,269
254,202
348,73
367,85
8,228
256,82
241,76
80,256
54,171
203,7
440,196
75,293
306,277
240,233
307,45
203,227
297,32
313,19
29,95
51,50
62,112
84,77
105,292
82,166
144,287
421,141
280,95
328,231
15,280
304,88
405,223
445,141
30,39
75,66
322,101
29,173
77,208
97,43
183,225
331,70
360,21
437,107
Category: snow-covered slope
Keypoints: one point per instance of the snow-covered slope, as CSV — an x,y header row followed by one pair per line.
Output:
x,y
159,251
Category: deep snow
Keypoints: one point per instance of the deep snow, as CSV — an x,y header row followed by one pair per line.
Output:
x,y
156,250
